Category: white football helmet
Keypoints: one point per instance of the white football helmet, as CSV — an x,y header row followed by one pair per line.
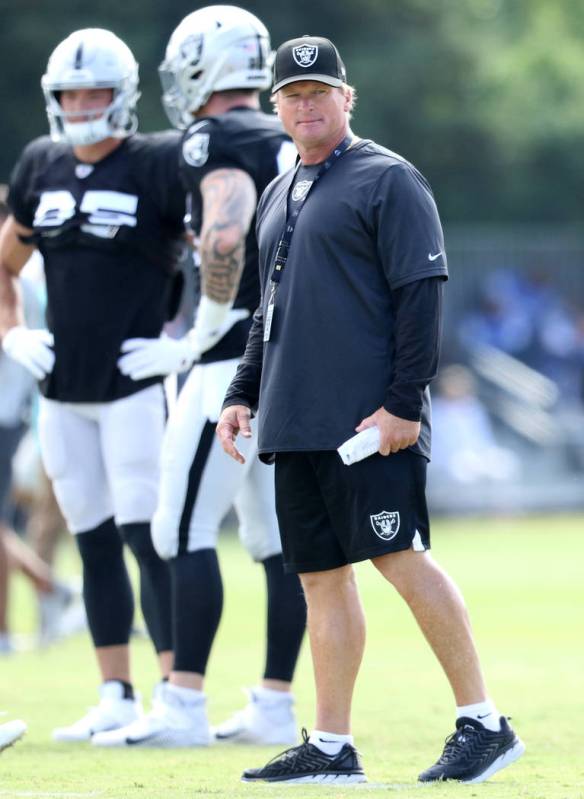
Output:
x,y
92,58
213,49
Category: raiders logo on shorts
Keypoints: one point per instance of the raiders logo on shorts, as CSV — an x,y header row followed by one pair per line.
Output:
x,y
385,524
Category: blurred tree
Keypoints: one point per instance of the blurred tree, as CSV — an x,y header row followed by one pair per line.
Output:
x,y
484,96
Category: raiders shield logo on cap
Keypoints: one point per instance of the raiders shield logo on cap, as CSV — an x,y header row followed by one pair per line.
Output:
x,y
385,524
305,55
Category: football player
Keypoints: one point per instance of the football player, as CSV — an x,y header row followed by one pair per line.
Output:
x,y
217,61
105,207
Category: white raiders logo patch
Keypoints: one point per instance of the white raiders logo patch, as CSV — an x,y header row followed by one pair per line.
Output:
x,y
300,190
305,54
196,149
385,524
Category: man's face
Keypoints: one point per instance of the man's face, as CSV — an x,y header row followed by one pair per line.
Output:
x,y
313,113
75,101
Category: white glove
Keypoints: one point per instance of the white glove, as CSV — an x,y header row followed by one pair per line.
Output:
x,y
150,357
31,348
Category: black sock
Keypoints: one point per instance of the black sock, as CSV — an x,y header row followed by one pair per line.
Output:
x,y
286,620
107,593
155,585
198,603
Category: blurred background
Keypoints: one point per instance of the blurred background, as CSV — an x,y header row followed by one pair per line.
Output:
x,y
486,98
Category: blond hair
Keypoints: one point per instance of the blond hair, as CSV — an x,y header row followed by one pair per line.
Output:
x,y
343,87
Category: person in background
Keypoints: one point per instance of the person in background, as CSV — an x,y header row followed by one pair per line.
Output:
x,y
104,206
217,61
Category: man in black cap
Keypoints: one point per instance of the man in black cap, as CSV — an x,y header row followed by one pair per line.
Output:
x,y
346,339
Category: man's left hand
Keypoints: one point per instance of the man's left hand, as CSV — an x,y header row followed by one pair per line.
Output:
x,y
396,433
151,357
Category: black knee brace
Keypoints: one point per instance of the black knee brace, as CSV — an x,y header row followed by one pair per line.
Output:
x,y
155,587
107,593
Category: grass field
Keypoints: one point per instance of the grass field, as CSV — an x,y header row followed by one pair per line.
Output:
x,y
524,583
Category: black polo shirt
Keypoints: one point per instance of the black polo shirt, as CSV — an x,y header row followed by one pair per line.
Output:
x,y
368,229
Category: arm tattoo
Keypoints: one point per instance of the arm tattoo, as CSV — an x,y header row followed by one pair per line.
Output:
x,y
229,202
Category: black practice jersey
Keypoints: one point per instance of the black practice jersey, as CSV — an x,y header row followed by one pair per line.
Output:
x,y
247,139
109,234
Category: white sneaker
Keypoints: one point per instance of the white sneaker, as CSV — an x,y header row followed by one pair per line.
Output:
x,y
172,723
10,732
267,719
112,713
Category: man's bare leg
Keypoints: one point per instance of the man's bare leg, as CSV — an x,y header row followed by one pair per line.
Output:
x,y
336,628
165,660
439,609
114,662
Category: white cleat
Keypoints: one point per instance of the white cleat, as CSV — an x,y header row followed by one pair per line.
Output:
x,y
268,719
171,724
112,713
10,733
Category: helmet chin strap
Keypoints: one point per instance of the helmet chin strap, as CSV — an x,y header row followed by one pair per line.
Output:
x,y
80,134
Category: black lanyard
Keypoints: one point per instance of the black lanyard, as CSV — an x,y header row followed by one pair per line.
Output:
x,y
291,219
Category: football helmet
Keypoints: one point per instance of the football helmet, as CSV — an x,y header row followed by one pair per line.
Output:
x,y
92,58
213,49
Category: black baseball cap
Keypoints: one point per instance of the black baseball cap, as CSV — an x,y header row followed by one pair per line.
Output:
x,y
308,58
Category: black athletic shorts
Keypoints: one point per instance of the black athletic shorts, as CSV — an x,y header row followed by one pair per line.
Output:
x,y
331,514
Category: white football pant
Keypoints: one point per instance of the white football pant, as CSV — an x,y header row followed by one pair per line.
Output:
x,y
200,482
104,458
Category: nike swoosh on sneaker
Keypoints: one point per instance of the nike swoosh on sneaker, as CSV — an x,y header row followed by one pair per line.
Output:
x,y
224,736
485,716
133,741
434,257
105,729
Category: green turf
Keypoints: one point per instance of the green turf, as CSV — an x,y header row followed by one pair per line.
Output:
x,y
523,581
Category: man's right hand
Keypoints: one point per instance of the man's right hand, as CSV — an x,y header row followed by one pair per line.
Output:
x,y
31,348
233,420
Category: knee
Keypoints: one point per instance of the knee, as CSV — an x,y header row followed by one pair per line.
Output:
x,y
137,537
82,508
135,498
332,584
260,540
402,569
100,547
164,531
